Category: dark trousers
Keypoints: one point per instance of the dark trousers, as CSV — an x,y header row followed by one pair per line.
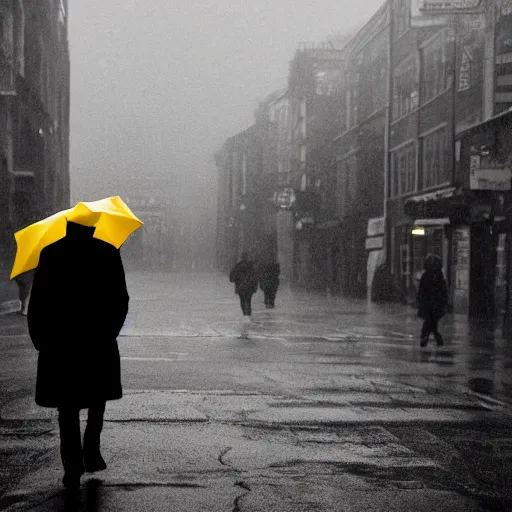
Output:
x,y
245,302
270,297
70,438
430,324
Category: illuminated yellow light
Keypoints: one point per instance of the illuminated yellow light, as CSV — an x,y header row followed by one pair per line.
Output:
x,y
418,231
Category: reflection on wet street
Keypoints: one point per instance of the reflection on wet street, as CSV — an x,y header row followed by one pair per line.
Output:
x,y
323,395
345,331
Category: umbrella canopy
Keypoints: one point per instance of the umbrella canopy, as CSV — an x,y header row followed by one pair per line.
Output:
x,y
113,220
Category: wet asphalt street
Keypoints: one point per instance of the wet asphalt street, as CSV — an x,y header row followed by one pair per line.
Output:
x,y
323,403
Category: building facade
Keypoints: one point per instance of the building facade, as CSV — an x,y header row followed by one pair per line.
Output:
x,y
315,95
441,88
360,154
396,146
238,163
34,114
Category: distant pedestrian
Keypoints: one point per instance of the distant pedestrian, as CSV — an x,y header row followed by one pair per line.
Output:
x,y
243,274
24,282
79,303
25,213
268,277
432,299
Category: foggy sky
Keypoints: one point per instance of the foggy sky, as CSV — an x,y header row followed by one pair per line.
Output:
x,y
158,85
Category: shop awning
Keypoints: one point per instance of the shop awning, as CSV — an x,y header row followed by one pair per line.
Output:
x,y
437,194
440,204
432,222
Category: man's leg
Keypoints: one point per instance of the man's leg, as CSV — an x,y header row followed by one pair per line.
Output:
x,y
245,301
248,307
23,294
71,445
242,302
435,331
426,330
92,456
272,298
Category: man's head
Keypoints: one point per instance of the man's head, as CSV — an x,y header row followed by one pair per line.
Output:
x,y
75,230
433,262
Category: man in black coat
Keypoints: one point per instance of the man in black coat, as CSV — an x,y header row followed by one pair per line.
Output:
x,y
268,277
432,299
78,306
243,274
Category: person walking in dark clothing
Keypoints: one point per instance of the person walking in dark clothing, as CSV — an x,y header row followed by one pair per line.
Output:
x,y
432,299
268,277
78,306
243,274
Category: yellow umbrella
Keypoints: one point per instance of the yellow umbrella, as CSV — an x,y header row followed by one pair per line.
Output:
x,y
113,220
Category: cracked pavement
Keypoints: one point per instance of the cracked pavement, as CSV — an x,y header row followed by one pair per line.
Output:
x,y
321,404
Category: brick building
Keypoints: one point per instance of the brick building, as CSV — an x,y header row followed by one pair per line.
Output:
x,y
407,153
34,114
315,99
360,151
441,89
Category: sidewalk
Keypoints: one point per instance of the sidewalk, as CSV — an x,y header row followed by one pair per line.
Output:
x,y
329,404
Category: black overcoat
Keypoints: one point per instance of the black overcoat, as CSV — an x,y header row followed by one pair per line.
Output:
x,y
78,306
268,276
432,294
243,274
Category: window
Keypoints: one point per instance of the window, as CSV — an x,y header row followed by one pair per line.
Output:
x,y
434,158
465,71
378,72
434,72
353,99
2,31
346,184
282,178
402,17
302,108
62,13
403,170
19,36
303,130
405,89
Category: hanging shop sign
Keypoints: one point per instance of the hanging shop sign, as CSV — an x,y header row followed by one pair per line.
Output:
x,y
376,226
420,18
488,174
374,243
432,222
449,6
7,87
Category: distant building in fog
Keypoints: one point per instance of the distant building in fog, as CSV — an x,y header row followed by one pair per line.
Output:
x,y
178,231
393,147
34,114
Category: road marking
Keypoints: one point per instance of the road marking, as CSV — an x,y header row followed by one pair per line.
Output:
x,y
150,358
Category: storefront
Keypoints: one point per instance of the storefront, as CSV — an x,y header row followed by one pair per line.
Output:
x,y
427,229
484,161
467,225
470,239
